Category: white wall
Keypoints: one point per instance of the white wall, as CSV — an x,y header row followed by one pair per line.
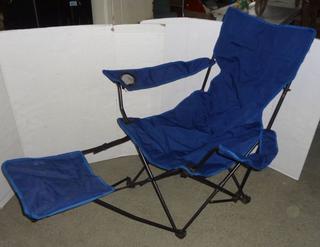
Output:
x,y
57,90
123,11
62,102
10,145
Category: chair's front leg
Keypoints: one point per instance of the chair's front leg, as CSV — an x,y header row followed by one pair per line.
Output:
x,y
178,232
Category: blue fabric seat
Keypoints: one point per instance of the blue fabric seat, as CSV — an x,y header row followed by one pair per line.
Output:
x,y
50,185
170,143
257,60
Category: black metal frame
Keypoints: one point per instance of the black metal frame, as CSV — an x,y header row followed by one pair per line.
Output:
x,y
129,182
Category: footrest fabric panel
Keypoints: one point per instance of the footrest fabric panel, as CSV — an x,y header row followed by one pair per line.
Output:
x,y
50,185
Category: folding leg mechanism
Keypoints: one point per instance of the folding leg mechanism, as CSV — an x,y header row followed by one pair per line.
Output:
x,y
179,232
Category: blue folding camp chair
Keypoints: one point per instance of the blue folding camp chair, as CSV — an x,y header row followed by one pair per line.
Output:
x,y
211,131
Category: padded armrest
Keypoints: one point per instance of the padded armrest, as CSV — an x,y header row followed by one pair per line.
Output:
x,y
267,151
143,78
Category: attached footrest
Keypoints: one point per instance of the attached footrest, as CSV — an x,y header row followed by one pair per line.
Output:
x,y
50,185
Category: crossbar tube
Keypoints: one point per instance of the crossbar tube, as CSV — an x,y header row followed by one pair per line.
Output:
x,y
209,199
133,217
213,185
106,146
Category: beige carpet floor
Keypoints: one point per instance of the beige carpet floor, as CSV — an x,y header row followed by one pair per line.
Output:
x,y
283,212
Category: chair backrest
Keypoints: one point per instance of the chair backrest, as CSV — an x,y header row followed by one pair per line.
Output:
x,y
257,60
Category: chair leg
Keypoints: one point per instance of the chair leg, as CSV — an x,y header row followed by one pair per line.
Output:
x,y
240,194
179,233
133,181
245,198
212,195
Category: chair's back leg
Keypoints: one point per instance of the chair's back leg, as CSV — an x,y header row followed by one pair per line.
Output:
x,y
206,78
241,185
278,106
240,194
204,83
245,178
212,195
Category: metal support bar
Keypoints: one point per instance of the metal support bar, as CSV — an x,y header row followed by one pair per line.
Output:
x,y
132,183
212,195
157,190
132,216
138,175
127,179
207,76
213,185
223,200
195,167
161,176
235,180
106,146
278,106
245,178
121,107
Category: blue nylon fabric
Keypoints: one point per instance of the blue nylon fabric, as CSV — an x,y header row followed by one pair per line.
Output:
x,y
159,75
49,185
257,60
268,149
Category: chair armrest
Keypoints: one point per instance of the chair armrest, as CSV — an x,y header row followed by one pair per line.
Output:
x,y
267,151
143,78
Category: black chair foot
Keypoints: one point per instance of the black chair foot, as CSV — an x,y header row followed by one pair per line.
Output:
x,y
181,234
245,199
242,197
183,174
